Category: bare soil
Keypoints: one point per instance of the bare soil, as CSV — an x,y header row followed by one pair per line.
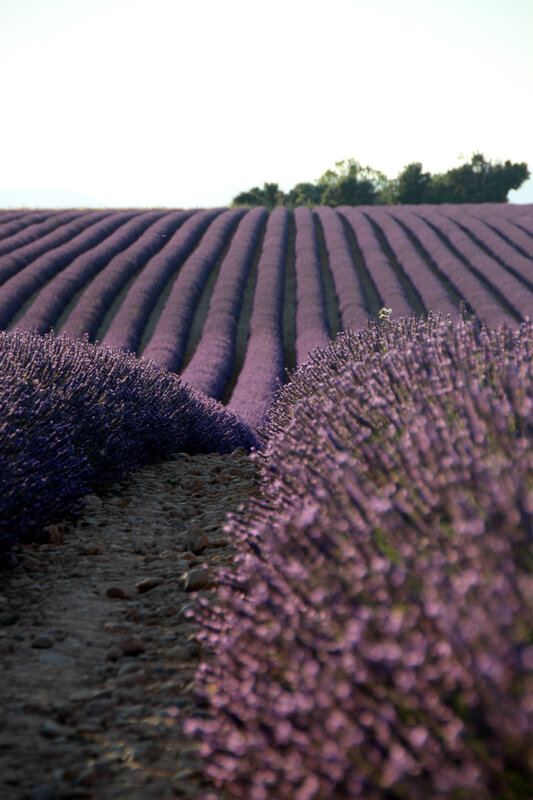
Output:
x,y
97,657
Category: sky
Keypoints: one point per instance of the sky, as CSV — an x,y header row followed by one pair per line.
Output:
x,y
186,103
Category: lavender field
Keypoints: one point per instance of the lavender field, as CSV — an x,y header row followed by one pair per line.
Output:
x,y
229,298
372,639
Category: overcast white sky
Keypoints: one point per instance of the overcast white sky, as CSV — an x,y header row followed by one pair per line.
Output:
x,y
185,103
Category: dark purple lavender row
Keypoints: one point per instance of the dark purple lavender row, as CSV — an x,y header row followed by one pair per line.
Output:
x,y
35,239
373,637
169,340
17,289
311,318
129,323
264,360
467,285
7,215
504,284
18,220
91,307
389,288
74,416
431,291
350,295
519,215
511,233
211,366
507,253
43,313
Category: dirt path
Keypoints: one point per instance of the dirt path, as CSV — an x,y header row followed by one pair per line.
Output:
x,y
96,655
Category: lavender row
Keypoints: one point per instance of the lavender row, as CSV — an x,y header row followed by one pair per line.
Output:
x,y
311,318
18,221
464,282
264,360
96,300
74,416
389,288
350,295
19,249
169,340
45,310
502,280
508,231
212,363
127,326
17,289
373,637
519,216
431,291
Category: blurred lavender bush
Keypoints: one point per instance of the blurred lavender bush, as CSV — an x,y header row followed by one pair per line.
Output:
x,y
76,415
373,638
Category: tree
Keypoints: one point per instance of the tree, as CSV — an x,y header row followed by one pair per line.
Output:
x,y
351,184
306,194
478,181
270,196
412,185
349,191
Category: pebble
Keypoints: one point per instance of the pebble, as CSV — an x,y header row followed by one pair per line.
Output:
x,y
149,583
92,501
179,652
53,532
115,591
196,579
132,646
196,540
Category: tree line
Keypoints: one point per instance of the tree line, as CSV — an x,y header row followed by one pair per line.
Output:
x,y
477,181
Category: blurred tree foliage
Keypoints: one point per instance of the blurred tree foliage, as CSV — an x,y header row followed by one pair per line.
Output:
x,y
350,184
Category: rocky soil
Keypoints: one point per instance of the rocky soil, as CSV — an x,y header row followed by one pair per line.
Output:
x,y
97,657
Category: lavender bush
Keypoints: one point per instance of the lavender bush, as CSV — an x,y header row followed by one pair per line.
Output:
x,y
373,638
74,415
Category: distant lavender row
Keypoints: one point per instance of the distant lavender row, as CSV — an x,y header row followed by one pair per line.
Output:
x,y
466,284
127,326
391,291
13,222
211,366
52,235
498,277
311,318
169,340
89,311
350,295
17,289
264,361
43,314
431,291
501,236
373,638
74,416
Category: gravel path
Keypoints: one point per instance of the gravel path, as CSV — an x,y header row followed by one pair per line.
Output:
x,y
97,656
